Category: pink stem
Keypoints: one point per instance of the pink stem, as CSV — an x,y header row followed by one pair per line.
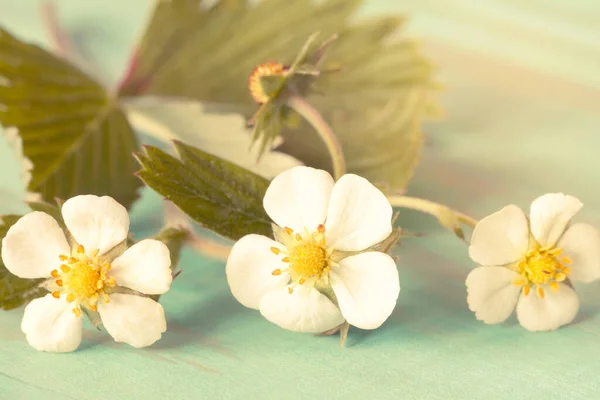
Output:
x,y
62,42
126,80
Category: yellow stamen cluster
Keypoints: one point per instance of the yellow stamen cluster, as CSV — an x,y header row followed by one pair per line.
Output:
x,y
257,90
542,266
82,278
307,256
308,259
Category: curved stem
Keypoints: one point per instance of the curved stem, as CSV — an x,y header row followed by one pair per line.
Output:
x,y
312,116
448,217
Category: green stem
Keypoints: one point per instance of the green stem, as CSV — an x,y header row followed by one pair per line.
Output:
x,y
448,217
312,116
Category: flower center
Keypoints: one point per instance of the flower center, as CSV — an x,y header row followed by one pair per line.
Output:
x,y
83,279
542,266
307,257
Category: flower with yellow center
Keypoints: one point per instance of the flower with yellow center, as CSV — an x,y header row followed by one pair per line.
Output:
x,y
528,264
84,267
319,271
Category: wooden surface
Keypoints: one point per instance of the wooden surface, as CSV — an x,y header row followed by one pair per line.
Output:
x,y
522,99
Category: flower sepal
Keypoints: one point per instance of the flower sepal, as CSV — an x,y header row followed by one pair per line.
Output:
x,y
94,317
342,329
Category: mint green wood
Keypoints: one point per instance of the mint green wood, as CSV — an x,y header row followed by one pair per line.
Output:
x,y
522,96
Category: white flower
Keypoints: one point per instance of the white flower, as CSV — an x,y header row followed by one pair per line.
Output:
x,y
296,281
81,270
528,264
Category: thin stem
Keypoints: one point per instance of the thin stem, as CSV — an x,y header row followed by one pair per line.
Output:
x,y
448,217
312,116
127,79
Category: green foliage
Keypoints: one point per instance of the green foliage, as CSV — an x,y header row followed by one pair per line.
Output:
x,y
374,87
78,140
217,194
15,291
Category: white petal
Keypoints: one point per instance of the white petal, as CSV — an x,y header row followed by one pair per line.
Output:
x,y
367,288
549,216
137,321
249,269
359,215
491,294
581,243
31,247
96,222
304,310
50,325
298,198
145,267
500,238
554,310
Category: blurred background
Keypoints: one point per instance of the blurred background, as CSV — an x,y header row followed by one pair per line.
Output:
x,y
521,98
521,89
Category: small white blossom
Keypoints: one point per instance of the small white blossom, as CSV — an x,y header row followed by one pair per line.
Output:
x,y
529,264
81,272
320,270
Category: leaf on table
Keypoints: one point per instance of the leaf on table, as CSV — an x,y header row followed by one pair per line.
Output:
x,y
375,102
219,195
76,137
209,127
15,291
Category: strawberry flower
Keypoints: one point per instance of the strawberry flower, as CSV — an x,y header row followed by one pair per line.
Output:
x,y
320,270
528,264
84,266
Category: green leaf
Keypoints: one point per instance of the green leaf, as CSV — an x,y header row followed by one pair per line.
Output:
x,y
375,101
15,291
77,138
215,193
